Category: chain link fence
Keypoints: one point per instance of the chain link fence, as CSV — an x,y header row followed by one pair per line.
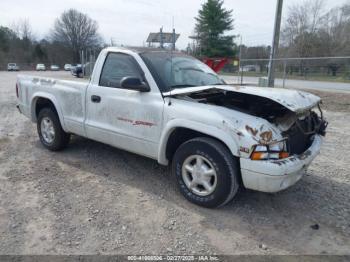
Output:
x,y
88,58
325,69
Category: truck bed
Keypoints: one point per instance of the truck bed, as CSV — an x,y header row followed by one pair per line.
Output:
x,y
67,96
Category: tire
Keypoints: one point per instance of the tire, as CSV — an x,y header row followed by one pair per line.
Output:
x,y
80,75
60,139
219,164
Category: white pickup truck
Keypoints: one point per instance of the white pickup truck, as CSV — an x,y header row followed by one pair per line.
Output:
x,y
173,108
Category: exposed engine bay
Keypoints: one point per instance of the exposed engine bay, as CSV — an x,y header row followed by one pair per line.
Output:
x,y
246,103
298,129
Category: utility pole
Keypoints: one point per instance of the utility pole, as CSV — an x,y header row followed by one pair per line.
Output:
x,y
174,36
161,37
275,43
174,40
240,67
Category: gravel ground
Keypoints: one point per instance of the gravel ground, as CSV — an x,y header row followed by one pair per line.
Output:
x,y
92,198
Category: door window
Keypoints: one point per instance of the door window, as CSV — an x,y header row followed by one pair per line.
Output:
x,y
117,66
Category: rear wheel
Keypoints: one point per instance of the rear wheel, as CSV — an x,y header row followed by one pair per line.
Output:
x,y
50,131
206,172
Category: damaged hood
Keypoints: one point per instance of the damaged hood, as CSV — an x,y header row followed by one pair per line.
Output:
x,y
294,100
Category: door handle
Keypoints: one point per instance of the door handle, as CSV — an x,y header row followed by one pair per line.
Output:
x,y
95,99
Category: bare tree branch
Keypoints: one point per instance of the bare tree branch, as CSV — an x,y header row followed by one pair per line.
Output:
x,y
23,29
76,30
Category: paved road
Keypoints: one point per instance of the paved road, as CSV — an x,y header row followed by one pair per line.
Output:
x,y
299,84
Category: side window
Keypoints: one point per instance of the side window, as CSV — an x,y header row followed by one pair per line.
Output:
x,y
116,67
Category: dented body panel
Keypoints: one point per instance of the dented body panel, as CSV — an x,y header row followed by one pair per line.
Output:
x,y
296,101
276,175
67,96
142,122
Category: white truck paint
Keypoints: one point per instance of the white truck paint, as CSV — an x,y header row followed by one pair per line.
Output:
x,y
142,122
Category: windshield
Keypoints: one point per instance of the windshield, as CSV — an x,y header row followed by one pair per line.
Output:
x,y
178,70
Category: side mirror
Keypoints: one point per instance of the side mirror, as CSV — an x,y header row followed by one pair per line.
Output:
x,y
134,83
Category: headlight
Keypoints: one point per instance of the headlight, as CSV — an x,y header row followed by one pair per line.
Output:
x,y
275,150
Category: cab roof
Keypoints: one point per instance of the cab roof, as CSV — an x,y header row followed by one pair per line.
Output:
x,y
140,50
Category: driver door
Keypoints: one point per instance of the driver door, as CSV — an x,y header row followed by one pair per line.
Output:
x,y
126,119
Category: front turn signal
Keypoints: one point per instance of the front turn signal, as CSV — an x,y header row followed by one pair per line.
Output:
x,y
283,155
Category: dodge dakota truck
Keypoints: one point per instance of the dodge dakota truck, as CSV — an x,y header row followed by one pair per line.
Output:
x,y
173,108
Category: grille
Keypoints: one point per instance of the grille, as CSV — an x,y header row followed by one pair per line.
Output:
x,y
301,133
298,142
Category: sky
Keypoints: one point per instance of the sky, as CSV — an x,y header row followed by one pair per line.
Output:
x,y
129,22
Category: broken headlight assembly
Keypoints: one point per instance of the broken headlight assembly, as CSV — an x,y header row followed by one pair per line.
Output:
x,y
276,150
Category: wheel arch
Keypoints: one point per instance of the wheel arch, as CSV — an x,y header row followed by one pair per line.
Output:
x,y
42,100
178,131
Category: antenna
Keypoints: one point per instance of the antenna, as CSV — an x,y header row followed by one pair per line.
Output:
x,y
171,73
171,59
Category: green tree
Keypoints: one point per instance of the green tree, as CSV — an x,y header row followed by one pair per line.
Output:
x,y
213,21
6,36
39,53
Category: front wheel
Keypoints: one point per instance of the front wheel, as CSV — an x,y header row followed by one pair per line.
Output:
x,y
50,131
206,172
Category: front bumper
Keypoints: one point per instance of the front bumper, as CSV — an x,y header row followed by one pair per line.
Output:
x,y
276,175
